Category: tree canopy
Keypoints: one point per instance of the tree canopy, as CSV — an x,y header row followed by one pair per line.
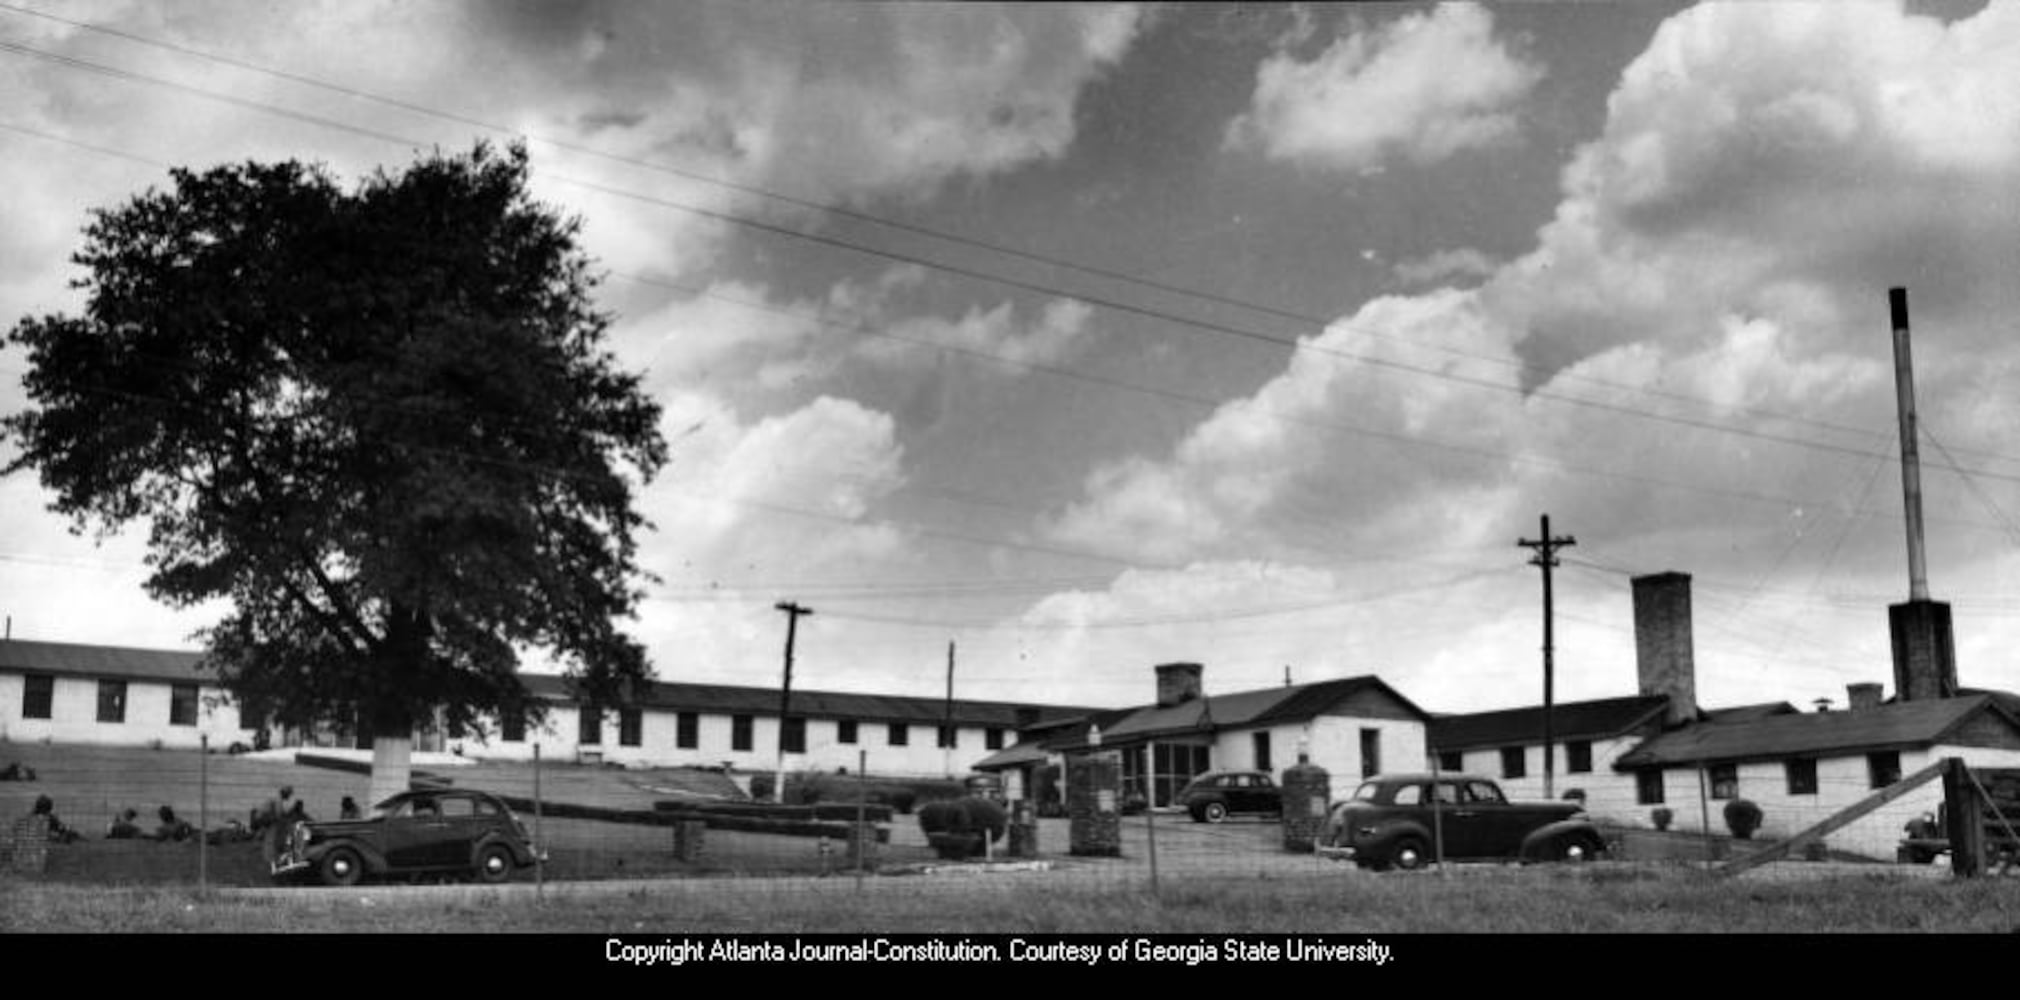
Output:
x,y
382,423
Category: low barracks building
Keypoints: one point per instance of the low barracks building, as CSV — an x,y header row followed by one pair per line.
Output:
x,y
106,695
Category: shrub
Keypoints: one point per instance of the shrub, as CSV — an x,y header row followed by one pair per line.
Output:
x,y
1742,817
1662,817
957,827
761,785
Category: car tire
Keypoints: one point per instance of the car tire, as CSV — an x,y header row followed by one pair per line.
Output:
x,y
1214,812
494,863
342,866
1577,850
1409,854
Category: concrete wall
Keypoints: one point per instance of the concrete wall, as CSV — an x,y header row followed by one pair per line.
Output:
x,y
1336,746
74,715
1608,793
660,734
1841,781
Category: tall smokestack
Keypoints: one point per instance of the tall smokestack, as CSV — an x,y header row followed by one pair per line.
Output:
x,y
1911,458
1664,653
1925,651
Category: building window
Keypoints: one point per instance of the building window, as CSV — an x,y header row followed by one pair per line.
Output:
x,y
687,730
1802,774
1578,757
1451,760
992,738
899,735
1371,752
739,732
589,726
947,737
1884,767
37,695
512,727
1514,763
1648,786
793,735
112,701
182,705
845,731
630,727
1724,781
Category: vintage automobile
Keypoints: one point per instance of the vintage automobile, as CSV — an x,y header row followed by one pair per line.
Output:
x,y
457,832
1404,821
1216,795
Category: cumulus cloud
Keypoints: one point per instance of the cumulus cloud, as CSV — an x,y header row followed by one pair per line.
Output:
x,y
1444,265
1422,88
1690,369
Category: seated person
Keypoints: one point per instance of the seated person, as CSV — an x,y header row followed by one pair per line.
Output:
x,y
58,833
124,826
171,827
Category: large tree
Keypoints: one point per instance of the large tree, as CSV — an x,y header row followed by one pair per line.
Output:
x,y
381,423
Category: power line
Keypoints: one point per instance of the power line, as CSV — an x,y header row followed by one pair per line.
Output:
x,y
1109,303
842,211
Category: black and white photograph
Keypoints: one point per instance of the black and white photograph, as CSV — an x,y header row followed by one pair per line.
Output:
x,y
1054,484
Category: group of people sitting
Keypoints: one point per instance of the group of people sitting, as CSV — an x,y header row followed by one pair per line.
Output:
x,y
126,826
273,819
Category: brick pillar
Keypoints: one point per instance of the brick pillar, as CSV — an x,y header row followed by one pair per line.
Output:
x,y
1094,804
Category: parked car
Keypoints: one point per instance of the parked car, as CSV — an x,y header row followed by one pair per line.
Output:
x,y
439,832
1403,820
1216,795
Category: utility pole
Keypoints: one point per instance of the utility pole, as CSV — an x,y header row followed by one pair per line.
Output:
x,y
947,717
793,612
1546,548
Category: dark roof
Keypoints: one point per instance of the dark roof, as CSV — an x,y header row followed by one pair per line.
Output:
x,y
178,666
1572,720
1748,713
30,656
1261,707
1891,726
724,699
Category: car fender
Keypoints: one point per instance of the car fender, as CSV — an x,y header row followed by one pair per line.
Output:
x,y
375,861
1388,832
521,855
1538,841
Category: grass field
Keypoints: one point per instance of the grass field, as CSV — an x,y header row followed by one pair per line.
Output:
x,y
609,877
1603,898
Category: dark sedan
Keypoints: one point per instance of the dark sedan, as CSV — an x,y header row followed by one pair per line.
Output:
x,y
459,833
1216,795
1407,820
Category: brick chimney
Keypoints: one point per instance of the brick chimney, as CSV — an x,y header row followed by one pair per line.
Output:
x,y
1664,659
1925,650
1863,697
1177,683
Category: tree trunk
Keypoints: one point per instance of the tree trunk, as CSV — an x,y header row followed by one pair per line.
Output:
x,y
392,751
392,765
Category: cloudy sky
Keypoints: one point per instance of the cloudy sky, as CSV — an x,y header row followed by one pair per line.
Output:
x,y
1087,338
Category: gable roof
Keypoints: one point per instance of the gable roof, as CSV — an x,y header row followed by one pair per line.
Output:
x,y
1569,721
178,666
1896,725
110,662
1291,703
723,699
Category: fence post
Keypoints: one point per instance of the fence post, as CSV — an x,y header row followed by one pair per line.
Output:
x,y
1704,814
862,811
539,836
1150,834
202,813
1965,819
